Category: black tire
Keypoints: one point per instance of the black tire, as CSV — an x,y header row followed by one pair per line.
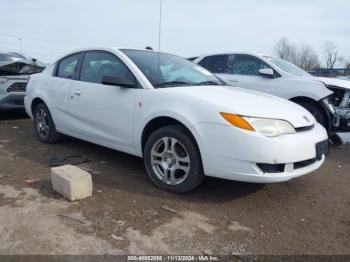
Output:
x,y
43,124
184,140
317,112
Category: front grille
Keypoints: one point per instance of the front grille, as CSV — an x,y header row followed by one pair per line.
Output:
x,y
304,163
271,168
17,87
279,168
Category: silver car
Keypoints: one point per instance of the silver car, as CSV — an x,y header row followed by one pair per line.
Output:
x,y
14,73
328,99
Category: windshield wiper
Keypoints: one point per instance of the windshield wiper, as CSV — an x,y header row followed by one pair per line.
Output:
x,y
213,83
172,83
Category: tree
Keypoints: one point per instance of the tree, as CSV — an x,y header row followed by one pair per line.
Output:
x,y
345,62
330,52
307,58
285,50
302,56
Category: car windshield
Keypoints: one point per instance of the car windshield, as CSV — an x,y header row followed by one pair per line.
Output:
x,y
165,70
287,67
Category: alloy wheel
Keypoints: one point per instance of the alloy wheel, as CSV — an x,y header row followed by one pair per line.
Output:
x,y
170,160
42,123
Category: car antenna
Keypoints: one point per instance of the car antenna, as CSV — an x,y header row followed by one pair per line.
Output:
x,y
159,35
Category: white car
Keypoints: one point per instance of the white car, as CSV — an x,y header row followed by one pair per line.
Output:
x,y
176,115
14,72
328,99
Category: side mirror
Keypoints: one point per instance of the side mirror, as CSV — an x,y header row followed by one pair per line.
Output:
x,y
118,81
267,72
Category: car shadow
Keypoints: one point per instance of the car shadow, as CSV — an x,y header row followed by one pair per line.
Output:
x,y
112,170
124,172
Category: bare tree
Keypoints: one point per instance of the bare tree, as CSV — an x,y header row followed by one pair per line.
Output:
x,y
303,56
345,61
330,52
285,50
307,58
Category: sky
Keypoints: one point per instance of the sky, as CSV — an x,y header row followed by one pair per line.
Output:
x,y
50,28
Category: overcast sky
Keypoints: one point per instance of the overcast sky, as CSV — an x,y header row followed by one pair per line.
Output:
x,y
49,28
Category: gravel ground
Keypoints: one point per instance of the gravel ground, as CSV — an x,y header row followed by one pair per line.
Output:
x,y
128,215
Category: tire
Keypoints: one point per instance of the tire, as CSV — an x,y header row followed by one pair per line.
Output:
x,y
44,126
317,112
172,160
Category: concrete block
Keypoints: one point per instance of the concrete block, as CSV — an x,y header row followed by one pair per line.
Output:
x,y
71,182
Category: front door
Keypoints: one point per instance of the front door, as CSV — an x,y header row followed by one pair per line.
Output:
x,y
59,90
244,72
102,113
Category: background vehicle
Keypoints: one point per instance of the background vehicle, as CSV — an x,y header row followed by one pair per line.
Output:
x,y
178,116
344,77
328,99
14,72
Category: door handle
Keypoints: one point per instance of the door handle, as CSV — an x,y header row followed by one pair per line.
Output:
x,y
233,80
77,92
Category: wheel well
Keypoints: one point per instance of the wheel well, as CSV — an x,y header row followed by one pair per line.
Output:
x,y
302,99
157,123
35,102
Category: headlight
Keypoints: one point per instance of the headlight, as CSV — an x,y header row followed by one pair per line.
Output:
x,y
3,80
265,126
270,127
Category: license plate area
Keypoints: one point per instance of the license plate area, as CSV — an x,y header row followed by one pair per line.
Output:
x,y
322,148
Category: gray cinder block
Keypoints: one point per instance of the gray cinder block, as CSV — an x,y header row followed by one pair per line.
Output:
x,y
71,182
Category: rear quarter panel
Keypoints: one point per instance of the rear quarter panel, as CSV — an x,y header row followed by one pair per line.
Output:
x,y
38,87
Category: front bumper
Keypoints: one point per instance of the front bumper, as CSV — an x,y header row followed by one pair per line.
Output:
x,y
234,154
339,116
12,92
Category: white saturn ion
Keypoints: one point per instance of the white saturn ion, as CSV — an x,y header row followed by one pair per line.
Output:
x,y
179,117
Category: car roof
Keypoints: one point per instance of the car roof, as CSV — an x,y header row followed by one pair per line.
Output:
x,y
107,48
238,53
110,49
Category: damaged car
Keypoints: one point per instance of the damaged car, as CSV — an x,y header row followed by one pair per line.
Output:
x,y
14,72
184,121
328,99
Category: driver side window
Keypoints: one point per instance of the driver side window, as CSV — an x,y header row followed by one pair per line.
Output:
x,y
217,64
246,65
97,64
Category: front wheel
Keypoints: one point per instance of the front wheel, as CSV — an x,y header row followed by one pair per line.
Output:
x,y
172,159
44,125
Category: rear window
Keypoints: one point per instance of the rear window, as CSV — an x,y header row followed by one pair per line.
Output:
x,y
66,68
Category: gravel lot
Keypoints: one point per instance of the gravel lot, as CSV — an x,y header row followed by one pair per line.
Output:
x,y
128,215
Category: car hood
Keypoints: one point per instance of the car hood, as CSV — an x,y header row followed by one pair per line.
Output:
x,y
20,67
333,82
250,103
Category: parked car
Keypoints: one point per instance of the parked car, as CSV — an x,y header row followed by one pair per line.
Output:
x,y
14,71
328,99
178,116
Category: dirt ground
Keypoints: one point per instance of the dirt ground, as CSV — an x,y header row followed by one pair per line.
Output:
x,y
128,215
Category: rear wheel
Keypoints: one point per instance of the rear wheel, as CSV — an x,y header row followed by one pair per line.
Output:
x,y
44,125
172,159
